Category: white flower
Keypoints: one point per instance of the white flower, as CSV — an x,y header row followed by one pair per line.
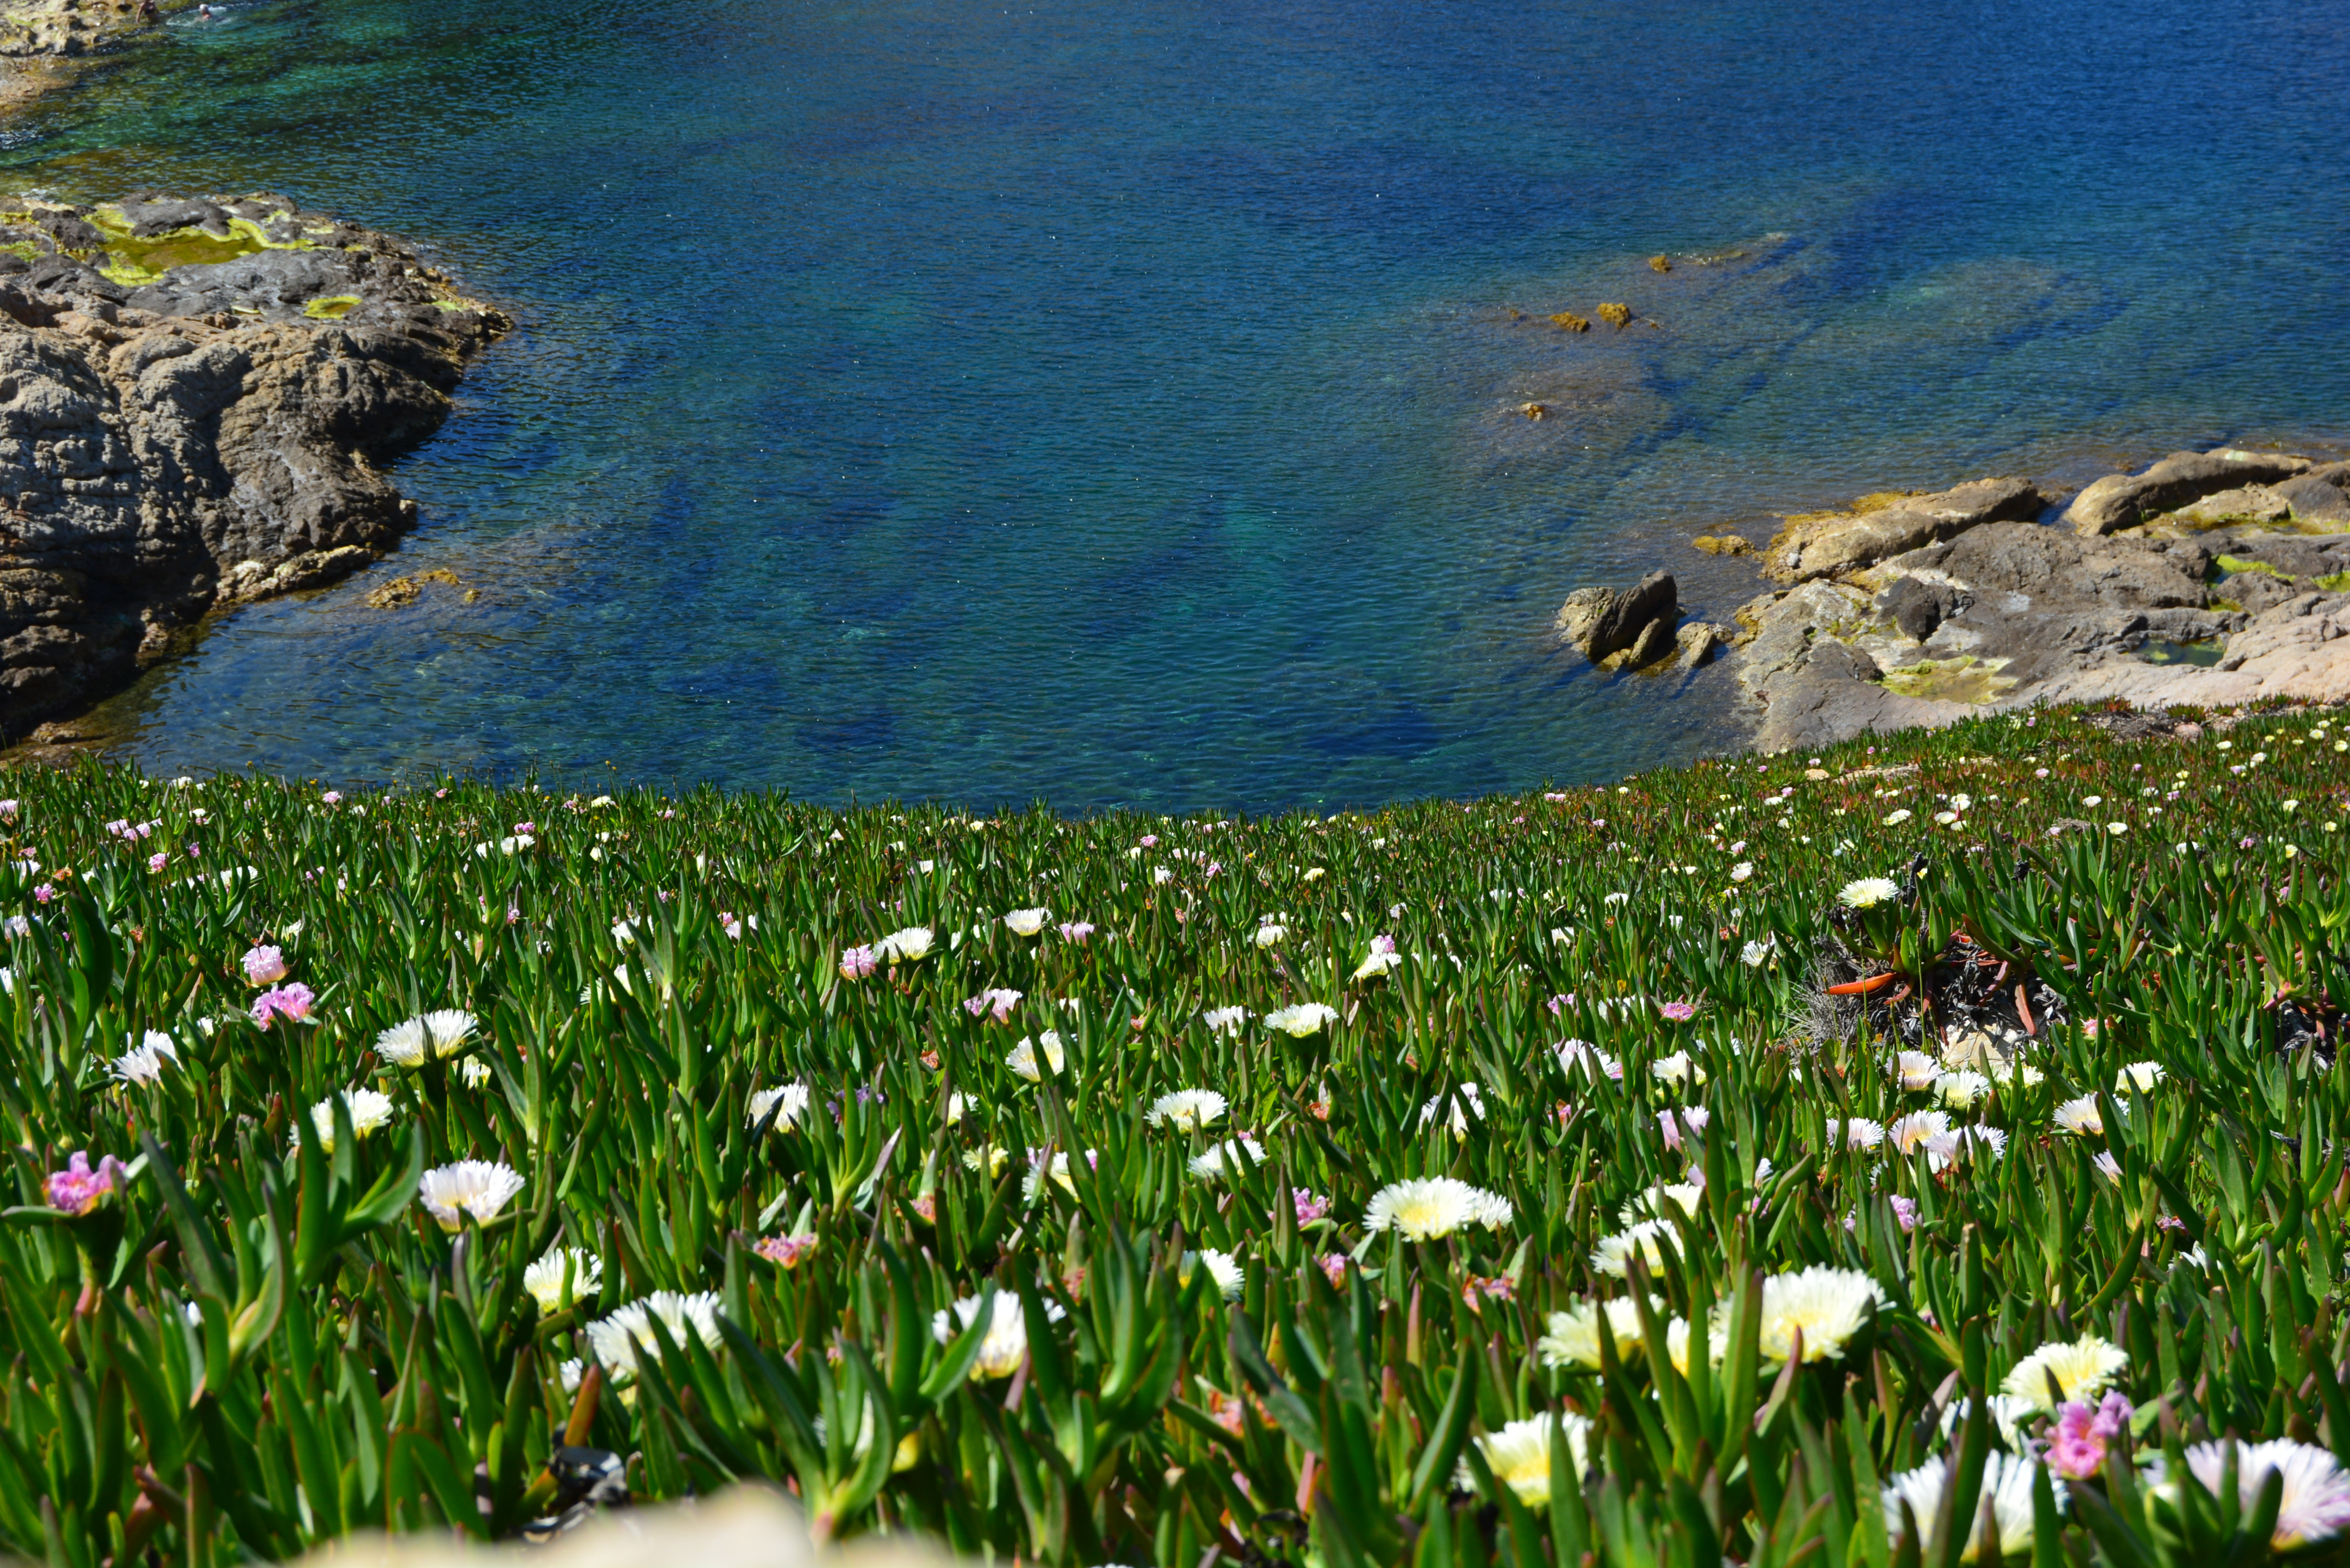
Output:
x,y
369,1110
619,1339
1424,1210
1303,1019
1270,935
1960,1091
563,1277
1458,1118
144,1062
788,1100
434,1037
2008,1415
1022,1058
2093,799
1027,922
912,945
2006,1485
1755,953
1962,802
2104,1163
473,1073
1574,1054
1909,1133
1188,1109
1915,1069
1646,1238
2314,1505
1870,891
2139,1078
1519,1455
2080,1116
1572,1337
1857,1133
1895,818
1827,1306
1228,1275
1211,1166
1006,1345
1224,1020
1677,1069
1382,958
1743,870
1652,1203
2083,1370
476,1187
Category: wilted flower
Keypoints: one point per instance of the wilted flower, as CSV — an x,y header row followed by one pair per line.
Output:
x,y
1427,1210
618,1340
2006,1485
786,1250
480,1188
77,1189
789,1102
1188,1109
2083,1370
434,1037
264,966
1306,1018
563,1275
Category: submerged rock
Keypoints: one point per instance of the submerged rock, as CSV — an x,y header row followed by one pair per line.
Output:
x,y
195,397
2126,500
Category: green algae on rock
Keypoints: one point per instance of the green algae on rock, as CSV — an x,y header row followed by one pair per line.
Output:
x,y
196,395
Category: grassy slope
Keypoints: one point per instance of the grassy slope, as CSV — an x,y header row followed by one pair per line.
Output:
x,y
355,1364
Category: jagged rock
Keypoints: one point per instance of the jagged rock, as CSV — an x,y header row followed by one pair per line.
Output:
x,y
2321,495
1836,544
2125,500
1602,621
1616,315
1654,641
1698,641
1569,321
178,436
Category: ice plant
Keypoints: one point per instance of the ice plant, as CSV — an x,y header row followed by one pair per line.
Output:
x,y
2007,1486
2081,1369
620,1340
563,1277
78,1189
1303,1019
1436,1207
1005,1344
1187,1110
369,1109
291,1002
1519,1455
430,1037
478,1188
264,966
2315,1504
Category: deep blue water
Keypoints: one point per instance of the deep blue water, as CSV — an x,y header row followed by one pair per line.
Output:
x,y
1116,403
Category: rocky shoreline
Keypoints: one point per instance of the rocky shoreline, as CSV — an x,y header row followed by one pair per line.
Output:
x,y
2207,580
197,394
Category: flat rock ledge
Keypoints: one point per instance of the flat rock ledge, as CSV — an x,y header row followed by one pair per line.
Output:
x,y
2209,580
196,395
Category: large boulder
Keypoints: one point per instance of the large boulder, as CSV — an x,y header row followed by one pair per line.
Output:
x,y
2321,495
1834,545
1637,621
2126,500
213,435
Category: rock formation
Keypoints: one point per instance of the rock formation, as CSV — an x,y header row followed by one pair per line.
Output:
x,y
1631,628
195,397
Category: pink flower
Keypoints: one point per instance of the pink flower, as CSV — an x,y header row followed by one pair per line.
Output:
x,y
994,997
786,1250
1334,1267
78,1189
44,893
1075,930
332,797
2076,1450
1678,1011
855,964
264,966
292,1002
730,925
1150,840
158,860
1477,1290
1309,1208
1906,1210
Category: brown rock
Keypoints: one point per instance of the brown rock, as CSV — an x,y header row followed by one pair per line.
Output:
x,y
1603,621
1724,544
2125,500
1660,264
1617,316
1570,321
1834,544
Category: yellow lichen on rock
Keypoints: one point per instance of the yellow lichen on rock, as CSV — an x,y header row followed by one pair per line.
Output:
x,y
1724,545
332,307
408,590
1570,321
1659,263
1617,316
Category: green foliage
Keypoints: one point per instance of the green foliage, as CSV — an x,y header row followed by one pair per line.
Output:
x,y
921,1245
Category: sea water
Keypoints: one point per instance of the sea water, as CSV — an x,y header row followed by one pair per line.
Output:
x,y
1126,403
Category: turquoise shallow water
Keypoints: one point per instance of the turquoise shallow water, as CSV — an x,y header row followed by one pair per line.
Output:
x,y
1116,404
